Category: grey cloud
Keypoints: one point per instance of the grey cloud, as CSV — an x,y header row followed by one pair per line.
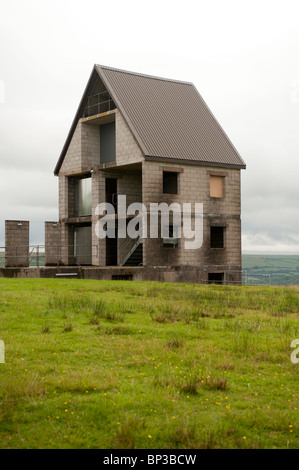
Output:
x,y
250,82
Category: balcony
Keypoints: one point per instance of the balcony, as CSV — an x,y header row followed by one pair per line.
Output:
x,y
98,104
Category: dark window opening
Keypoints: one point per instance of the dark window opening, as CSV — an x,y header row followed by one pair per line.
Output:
x,y
170,182
122,277
111,192
215,278
107,143
111,251
217,237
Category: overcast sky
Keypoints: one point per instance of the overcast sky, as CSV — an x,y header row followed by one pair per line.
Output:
x,y
242,56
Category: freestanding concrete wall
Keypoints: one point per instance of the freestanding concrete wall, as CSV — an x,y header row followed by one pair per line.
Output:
x,y
16,243
52,244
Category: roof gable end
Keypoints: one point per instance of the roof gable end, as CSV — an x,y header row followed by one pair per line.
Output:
x,y
168,118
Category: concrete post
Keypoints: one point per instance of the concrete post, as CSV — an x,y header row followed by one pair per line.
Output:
x,y
52,244
16,243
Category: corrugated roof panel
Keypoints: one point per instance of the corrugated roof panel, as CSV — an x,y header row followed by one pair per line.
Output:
x,y
169,118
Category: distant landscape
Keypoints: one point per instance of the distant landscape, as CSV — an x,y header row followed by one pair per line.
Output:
x,y
271,269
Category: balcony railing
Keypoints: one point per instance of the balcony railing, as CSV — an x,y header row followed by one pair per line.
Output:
x,y
98,104
47,255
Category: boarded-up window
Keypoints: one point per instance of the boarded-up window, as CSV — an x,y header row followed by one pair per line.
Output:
x,y
216,186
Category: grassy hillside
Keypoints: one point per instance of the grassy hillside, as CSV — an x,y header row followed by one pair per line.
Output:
x,y
92,364
283,270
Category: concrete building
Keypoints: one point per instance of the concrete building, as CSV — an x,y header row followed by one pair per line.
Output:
x,y
152,140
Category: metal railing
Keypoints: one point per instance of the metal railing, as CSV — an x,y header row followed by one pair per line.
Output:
x,y
47,255
257,279
98,103
82,255
236,277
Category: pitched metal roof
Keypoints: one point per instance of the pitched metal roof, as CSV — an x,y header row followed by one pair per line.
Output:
x,y
168,118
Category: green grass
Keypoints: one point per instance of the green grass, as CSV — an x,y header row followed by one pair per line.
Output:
x,y
96,364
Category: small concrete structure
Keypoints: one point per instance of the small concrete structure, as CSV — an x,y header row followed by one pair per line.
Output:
x,y
16,243
52,244
184,274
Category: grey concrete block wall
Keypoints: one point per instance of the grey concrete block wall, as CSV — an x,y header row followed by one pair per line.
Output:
x,y
127,149
146,186
16,243
194,187
73,160
98,196
71,202
52,243
63,197
90,145
130,185
67,244
84,149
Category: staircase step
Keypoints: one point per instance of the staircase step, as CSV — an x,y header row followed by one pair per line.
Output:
x,y
135,258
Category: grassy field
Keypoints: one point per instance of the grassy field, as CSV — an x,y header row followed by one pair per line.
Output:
x,y
115,365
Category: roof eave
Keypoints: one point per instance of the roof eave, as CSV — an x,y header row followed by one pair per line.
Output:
x,y
241,166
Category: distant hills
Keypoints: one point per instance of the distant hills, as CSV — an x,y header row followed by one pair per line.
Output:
x,y
271,269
